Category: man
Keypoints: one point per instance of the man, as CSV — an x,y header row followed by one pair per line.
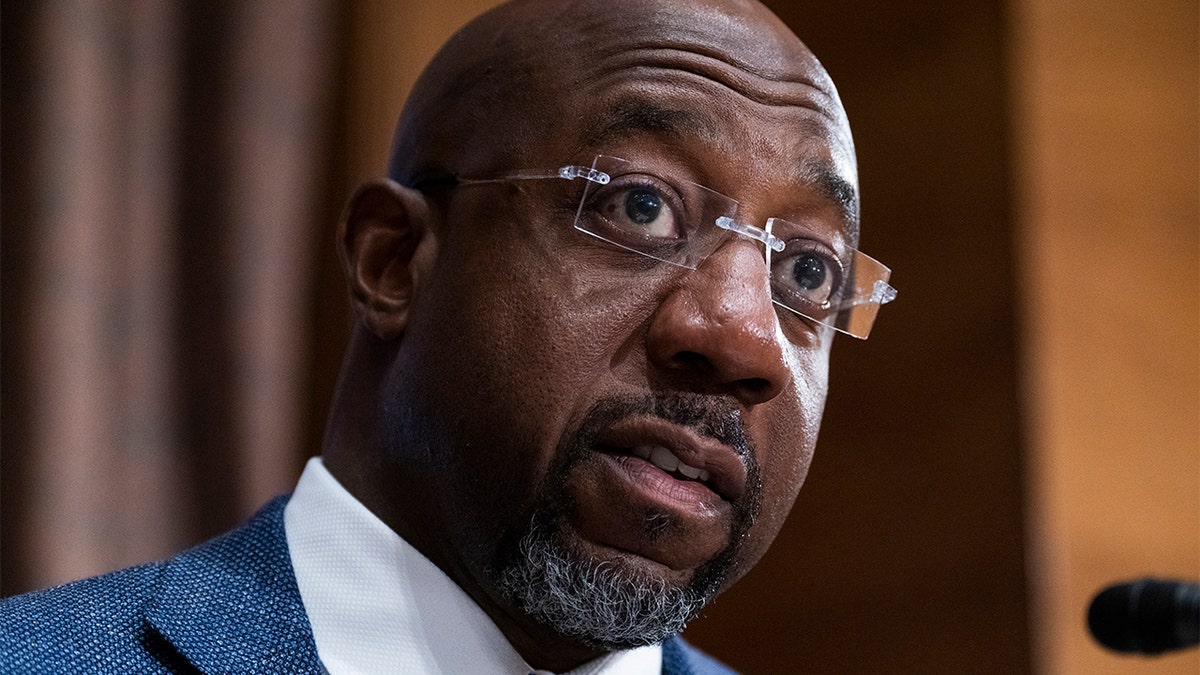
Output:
x,y
595,306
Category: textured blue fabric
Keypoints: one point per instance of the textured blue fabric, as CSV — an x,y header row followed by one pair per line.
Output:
x,y
230,605
227,606
680,658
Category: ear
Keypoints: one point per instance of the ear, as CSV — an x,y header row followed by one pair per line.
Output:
x,y
378,240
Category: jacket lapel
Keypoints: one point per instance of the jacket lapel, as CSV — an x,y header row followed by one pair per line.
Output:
x,y
231,605
680,658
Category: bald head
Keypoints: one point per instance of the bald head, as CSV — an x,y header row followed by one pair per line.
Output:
x,y
525,75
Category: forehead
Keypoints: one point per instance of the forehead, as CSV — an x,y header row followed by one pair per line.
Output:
x,y
738,100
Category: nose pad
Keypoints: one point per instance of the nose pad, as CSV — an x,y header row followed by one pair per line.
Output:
x,y
717,331
752,232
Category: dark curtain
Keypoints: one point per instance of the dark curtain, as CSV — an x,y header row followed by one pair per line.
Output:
x,y
165,171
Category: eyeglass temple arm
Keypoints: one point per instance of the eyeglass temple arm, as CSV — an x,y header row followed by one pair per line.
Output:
x,y
587,173
568,172
882,293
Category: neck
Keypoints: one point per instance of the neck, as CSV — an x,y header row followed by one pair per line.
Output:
x,y
540,646
410,497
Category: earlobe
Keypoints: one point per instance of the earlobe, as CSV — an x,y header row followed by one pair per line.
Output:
x,y
378,237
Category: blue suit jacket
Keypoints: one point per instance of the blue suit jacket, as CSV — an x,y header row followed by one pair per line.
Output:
x,y
230,605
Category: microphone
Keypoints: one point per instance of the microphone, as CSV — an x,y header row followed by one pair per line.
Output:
x,y
1146,616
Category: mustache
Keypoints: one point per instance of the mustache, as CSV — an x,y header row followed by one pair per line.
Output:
x,y
714,417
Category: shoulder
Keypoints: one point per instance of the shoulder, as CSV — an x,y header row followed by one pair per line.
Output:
x,y
107,623
45,631
680,658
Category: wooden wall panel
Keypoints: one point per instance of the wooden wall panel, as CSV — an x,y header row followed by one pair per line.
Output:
x,y
1106,97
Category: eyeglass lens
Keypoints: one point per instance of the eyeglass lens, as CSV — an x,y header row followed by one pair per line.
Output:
x,y
681,223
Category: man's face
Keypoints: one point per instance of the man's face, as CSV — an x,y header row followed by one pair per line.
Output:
x,y
550,377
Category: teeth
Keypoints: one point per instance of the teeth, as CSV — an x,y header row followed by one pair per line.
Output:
x,y
664,459
667,461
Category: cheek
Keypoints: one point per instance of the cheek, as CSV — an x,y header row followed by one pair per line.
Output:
x,y
518,343
786,455
546,313
540,333
550,325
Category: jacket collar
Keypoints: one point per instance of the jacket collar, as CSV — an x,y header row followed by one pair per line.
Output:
x,y
680,658
232,605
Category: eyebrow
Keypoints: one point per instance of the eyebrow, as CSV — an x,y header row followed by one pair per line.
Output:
x,y
632,117
645,117
832,186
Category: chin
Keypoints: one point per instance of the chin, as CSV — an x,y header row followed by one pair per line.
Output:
x,y
597,596
604,560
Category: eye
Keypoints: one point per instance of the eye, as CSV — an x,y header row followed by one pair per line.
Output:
x,y
810,272
641,209
806,277
642,206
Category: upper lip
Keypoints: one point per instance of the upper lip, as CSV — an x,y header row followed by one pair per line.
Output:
x,y
726,468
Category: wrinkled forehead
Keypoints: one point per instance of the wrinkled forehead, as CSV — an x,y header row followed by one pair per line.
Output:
x,y
582,54
745,35
538,82
731,74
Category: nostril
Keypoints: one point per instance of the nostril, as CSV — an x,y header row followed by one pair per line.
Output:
x,y
692,361
698,367
756,386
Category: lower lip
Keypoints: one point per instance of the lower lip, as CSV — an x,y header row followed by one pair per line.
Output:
x,y
655,485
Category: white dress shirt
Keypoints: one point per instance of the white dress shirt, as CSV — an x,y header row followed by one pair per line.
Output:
x,y
377,605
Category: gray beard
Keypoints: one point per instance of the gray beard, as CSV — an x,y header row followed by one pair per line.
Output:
x,y
596,602
606,604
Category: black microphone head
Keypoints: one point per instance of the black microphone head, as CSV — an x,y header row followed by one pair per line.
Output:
x,y
1147,616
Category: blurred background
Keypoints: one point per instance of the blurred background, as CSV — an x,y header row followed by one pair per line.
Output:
x,y
1022,428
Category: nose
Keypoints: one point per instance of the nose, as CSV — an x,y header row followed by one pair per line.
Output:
x,y
717,332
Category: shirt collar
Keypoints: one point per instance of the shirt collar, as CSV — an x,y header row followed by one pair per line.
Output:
x,y
377,605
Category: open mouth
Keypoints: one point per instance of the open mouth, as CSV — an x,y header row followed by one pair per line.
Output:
x,y
666,460
679,452
664,488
